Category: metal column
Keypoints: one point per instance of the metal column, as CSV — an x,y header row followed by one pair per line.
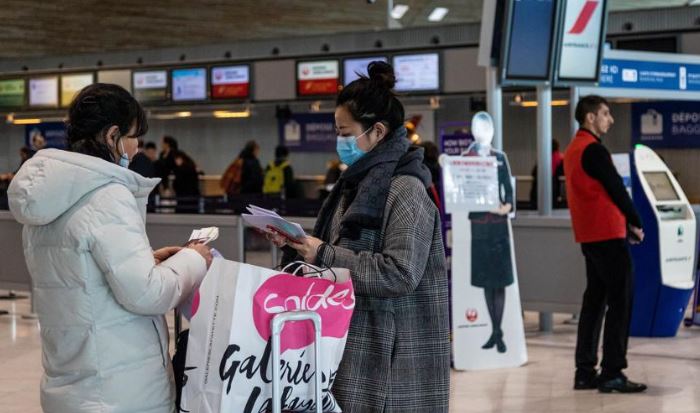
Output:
x,y
544,169
544,150
494,103
574,96
241,240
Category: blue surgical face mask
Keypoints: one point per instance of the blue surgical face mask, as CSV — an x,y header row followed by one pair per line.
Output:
x,y
347,148
124,159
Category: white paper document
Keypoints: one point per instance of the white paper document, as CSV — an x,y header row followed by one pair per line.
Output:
x,y
470,183
205,235
269,221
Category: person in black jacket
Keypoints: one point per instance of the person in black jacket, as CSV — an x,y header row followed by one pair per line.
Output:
x,y
431,156
186,177
141,164
252,172
166,163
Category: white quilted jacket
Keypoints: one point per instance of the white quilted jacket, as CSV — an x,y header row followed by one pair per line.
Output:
x,y
100,297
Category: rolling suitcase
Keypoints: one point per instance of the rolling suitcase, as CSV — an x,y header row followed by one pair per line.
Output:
x,y
277,323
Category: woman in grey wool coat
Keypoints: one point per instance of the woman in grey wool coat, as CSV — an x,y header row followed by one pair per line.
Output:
x,y
380,223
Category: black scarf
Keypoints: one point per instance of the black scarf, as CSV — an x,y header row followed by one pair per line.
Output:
x,y
366,183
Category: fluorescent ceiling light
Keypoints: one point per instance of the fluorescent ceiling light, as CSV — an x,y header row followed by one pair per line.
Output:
x,y
534,104
175,115
438,14
224,114
398,11
32,121
693,2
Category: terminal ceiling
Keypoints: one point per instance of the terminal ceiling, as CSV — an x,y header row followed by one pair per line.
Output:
x,y
36,28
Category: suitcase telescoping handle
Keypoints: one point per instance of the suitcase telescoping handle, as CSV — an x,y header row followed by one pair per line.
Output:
x,y
278,322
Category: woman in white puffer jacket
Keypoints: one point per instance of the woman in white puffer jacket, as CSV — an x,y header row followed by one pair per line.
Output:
x,y
100,291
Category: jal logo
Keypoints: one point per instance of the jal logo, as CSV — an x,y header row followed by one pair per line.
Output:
x,y
306,71
218,75
472,315
284,292
584,17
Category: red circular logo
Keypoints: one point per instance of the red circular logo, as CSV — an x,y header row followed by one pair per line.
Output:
x,y
472,315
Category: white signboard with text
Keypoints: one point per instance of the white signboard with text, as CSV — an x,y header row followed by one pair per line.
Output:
x,y
470,183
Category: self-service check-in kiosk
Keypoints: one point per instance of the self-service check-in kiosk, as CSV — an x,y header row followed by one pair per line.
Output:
x,y
664,264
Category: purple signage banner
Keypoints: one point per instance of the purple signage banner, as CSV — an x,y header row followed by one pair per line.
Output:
x,y
452,144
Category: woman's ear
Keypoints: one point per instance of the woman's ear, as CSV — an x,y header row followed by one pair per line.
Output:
x,y
112,135
381,130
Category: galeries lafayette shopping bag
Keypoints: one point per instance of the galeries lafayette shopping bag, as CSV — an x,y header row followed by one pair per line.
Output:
x,y
229,363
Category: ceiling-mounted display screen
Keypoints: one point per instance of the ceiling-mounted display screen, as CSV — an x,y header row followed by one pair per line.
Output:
x,y
353,68
189,84
116,77
72,84
318,78
417,72
43,92
661,186
230,82
581,40
12,93
531,31
151,86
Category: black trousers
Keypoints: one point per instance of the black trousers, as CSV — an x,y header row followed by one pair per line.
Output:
x,y
609,276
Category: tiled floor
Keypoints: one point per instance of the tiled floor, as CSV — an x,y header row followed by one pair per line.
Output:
x,y
671,367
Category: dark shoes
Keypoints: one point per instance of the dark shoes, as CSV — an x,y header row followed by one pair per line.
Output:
x,y
620,384
501,346
496,340
586,380
491,343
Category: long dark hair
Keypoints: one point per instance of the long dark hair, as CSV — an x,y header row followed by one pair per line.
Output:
x,y
249,149
97,108
371,99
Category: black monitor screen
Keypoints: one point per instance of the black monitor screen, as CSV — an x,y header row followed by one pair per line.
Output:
x,y
529,49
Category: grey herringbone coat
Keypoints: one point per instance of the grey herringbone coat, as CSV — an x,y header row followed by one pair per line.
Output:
x,y
397,357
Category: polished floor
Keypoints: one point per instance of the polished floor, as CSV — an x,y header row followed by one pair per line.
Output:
x,y
671,367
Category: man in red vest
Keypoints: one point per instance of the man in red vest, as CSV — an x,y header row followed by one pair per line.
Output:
x,y
604,218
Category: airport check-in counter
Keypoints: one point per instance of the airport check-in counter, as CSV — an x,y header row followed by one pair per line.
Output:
x,y
550,265
13,269
551,268
162,230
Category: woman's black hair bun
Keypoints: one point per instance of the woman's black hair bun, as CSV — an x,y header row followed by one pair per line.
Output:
x,y
382,74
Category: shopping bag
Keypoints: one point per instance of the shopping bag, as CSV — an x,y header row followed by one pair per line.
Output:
x,y
228,365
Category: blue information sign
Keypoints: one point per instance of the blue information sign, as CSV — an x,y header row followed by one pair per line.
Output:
x,y
309,132
639,74
666,124
45,135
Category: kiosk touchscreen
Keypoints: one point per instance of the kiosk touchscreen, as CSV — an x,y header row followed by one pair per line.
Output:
x,y
665,262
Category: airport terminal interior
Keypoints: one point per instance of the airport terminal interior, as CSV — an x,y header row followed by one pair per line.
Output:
x,y
260,116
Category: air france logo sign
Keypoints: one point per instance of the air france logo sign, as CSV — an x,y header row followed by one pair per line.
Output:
x,y
584,18
580,43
